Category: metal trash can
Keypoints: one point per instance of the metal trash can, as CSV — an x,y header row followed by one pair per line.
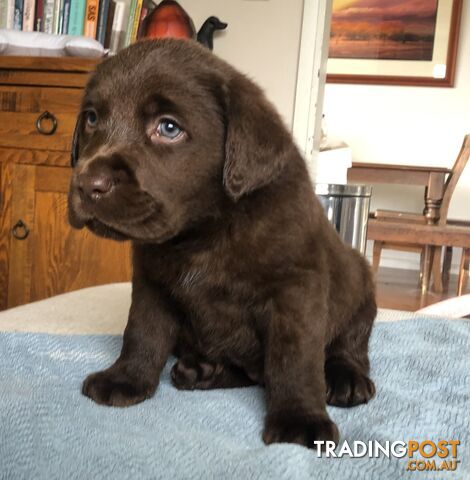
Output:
x,y
347,208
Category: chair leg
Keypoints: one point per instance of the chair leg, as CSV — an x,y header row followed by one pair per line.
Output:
x,y
446,264
376,252
463,271
427,267
421,267
436,270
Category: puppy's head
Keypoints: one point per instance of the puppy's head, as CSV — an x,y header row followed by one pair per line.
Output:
x,y
167,137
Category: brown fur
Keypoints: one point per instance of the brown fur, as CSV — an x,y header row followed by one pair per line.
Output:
x,y
236,268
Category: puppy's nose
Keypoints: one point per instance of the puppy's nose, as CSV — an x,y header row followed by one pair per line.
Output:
x,y
96,186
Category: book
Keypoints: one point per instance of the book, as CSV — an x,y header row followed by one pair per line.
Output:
x,y
102,21
65,17
118,34
130,22
147,9
38,17
18,15
3,13
135,26
58,5
60,17
77,17
48,16
10,14
28,15
109,23
91,18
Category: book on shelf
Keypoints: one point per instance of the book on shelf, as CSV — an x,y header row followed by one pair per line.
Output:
x,y
114,23
135,22
3,14
130,21
48,16
118,34
28,15
7,13
18,15
102,20
109,24
38,17
65,17
77,16
91,18
144,13
56,19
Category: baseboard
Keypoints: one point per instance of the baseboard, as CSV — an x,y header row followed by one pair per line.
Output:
x,y
408,260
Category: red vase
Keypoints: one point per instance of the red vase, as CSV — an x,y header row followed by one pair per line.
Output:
x,y
169,19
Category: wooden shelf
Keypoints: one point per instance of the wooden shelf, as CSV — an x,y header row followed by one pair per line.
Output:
x,y
68,72
56,64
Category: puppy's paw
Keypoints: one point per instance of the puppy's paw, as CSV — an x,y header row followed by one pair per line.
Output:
x,y
291,427
188,373
113,387
347,386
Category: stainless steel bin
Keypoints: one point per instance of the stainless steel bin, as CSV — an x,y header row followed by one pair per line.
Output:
x,y
347,208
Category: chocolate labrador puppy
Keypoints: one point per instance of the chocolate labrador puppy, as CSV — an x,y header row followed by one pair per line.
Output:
x,y
236,269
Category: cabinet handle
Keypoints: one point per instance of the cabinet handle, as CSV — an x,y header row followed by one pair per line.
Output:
x,y
46,116
20,231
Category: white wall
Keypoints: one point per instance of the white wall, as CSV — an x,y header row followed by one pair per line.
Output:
x,y
262,39
409,125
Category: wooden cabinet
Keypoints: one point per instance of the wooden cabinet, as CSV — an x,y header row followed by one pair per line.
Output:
x,y
40,254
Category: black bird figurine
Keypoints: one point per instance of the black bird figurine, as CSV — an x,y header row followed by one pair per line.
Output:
x,y
205,36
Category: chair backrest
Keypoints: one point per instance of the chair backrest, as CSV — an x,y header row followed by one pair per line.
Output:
x,y
453,178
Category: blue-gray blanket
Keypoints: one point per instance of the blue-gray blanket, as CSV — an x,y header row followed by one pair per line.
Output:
x,y
48,430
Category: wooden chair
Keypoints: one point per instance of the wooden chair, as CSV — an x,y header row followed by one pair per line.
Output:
x,y
452,234
413,219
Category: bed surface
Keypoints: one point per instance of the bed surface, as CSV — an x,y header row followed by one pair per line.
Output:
x,y
95,310
49,430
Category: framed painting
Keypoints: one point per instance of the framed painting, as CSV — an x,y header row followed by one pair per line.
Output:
x,y
394,42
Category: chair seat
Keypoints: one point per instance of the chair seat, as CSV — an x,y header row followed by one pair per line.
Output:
x,y
448,235
394,216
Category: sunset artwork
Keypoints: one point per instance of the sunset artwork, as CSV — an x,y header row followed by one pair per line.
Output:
x,y
383,29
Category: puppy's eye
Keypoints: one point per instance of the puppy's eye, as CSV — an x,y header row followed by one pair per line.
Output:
x,y
169,130
91,118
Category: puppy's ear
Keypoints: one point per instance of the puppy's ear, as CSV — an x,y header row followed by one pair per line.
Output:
x,y
75,140
257,142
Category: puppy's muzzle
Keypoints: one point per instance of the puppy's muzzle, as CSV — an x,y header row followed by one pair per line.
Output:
x,y
96,185
101,177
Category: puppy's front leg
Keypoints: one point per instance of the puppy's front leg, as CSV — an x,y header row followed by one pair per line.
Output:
x,y
294,371
148,340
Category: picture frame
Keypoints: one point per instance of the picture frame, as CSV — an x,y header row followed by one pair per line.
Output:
x,y
379,55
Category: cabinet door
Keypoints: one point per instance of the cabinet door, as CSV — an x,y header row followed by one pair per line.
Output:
x,y
5,217
53,258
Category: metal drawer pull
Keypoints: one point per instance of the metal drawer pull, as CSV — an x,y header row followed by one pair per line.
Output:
x,y
20,231
46,116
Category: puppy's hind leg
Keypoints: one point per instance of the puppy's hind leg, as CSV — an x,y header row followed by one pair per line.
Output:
x,y
193,373
347,361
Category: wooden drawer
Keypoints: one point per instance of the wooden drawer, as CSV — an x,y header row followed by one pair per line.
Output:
x,y
20,109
